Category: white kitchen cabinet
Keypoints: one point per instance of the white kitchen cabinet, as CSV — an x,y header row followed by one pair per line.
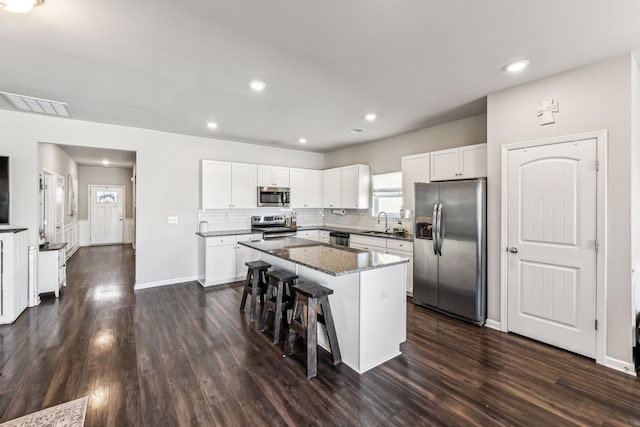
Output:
x,y
309,234
323,236
347,187
414,169
273,176
332,188
226,185
390,246
14,274
459,163
222,258
52,269
306,188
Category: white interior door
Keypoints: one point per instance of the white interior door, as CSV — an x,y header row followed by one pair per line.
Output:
x,y
59,209
551,233
106,216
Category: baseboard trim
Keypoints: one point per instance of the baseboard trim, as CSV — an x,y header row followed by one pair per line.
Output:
x,y
619,365
158,283
493,324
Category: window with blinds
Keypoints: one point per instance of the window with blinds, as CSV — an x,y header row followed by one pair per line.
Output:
x,y
387,194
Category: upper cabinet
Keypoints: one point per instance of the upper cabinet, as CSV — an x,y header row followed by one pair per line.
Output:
x,y
225,185
346,187
306,188
332,188
459,163
273,176
414,169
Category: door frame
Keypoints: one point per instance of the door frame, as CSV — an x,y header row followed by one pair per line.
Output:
x,y
124,209
601,137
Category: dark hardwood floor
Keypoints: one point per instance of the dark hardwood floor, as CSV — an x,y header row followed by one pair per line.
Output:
x,y
182,355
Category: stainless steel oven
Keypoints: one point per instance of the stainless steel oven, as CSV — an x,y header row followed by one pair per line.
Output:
x,y
273,196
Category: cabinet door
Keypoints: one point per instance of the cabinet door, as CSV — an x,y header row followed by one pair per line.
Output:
x,y
220,264
473,161
332,188
409,267
350,187
244,188
280,176
298,188
215,185
313,188
444,165
414,169
245,255
264,176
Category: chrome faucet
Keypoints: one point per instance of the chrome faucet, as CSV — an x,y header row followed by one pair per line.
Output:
x,y
386,226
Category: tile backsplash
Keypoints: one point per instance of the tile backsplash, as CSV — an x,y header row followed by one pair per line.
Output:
x,y
239,219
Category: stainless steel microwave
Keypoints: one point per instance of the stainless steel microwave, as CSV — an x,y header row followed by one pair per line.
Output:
x,y
273,196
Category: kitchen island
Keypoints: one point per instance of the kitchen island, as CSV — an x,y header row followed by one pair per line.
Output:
x,y
368,300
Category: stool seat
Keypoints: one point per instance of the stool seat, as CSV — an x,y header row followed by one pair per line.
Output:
x,y
282,275
255,285
257,264
312,290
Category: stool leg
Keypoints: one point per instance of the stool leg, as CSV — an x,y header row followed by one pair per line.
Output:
x,y
247,281
254,295
278,313
291,335
312,338
265,309
331,330
263,281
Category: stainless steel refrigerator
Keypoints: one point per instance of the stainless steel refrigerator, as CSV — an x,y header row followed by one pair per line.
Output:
x,y
450,250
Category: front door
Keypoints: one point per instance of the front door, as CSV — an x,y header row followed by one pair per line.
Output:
x,y
106,214
551,235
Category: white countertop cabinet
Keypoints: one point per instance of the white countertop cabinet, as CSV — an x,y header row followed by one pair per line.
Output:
x,y
222,259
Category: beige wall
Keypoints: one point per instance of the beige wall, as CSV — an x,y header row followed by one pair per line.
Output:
x,y
384,155
96,175
52,158
635,182
591,98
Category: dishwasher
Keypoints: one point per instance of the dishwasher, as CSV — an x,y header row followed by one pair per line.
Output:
x,y
339,238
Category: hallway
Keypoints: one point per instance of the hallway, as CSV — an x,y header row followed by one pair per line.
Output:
x,y
182,355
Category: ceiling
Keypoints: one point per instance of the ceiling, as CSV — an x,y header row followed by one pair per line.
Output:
x,y
89,156
174,66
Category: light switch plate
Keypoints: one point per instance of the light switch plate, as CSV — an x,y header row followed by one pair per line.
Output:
x,y
172,220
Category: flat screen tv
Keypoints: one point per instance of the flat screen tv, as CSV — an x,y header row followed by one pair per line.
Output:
x,y
4,190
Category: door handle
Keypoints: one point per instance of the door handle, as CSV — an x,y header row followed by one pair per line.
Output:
x,y
434,229
440,233
513,250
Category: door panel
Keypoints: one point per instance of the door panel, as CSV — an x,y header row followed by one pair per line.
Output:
x,y
460,289
551,221
425,265
106,215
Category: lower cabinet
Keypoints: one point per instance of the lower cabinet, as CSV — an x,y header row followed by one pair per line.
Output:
x,y
390,246
309,234
14,274
323,236
223,258
52,269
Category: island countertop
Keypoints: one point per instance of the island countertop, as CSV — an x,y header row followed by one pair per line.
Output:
x,y
329,259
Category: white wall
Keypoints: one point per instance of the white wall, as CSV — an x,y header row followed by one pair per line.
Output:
x,y
385,155
97,175
167,181
54,159
635,182
591,98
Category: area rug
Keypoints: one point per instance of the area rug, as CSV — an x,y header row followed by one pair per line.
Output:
x,y
70,414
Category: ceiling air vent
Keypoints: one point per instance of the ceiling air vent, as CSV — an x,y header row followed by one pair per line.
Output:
x,y
357,130
37,105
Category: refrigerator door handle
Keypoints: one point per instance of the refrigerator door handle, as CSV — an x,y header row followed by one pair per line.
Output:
x,y
440,233
434,229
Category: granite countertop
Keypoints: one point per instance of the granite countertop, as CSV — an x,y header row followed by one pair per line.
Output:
x,y
407,237
218,233
329,259
53,247
12,229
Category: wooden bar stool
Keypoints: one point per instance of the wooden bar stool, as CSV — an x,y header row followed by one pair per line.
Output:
x,y
310,295
254,285
279,299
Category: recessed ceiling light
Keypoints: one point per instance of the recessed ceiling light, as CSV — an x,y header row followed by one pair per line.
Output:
x,y
302,140
257,85
370,117
105,162
212,125
516,66
19,6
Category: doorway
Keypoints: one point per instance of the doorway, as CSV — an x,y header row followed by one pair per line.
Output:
x,y
106,214
553,220
53,195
